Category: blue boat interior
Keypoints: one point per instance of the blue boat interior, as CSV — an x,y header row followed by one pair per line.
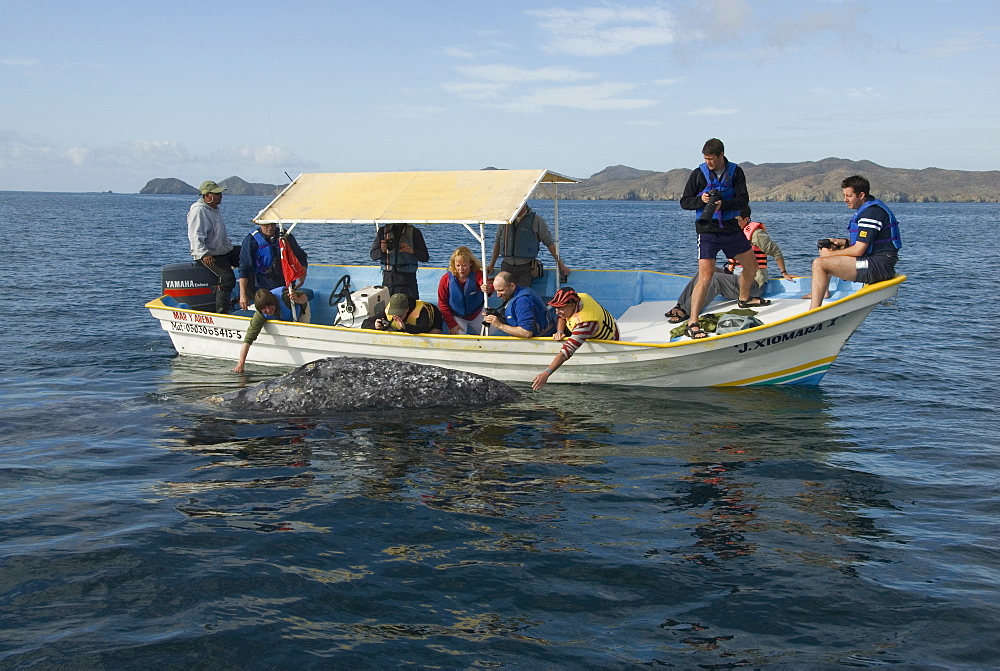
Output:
x,y
617,291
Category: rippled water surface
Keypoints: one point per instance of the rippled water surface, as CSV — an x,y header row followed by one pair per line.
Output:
x,y
854,524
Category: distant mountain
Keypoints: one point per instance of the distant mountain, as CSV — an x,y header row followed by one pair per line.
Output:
x,y
237,187
234,187
811,181
168,185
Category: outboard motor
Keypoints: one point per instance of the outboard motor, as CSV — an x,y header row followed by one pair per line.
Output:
x,y
190,284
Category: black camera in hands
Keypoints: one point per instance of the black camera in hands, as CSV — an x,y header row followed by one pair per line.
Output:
x,y
825,243
496,313
714,198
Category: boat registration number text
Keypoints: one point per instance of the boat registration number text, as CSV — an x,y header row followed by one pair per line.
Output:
x,y
202,329
784,337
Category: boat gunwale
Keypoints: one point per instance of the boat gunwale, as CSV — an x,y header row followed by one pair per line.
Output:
x,y
865,290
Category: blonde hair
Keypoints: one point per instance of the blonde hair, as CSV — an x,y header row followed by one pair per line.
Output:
x,y
466,253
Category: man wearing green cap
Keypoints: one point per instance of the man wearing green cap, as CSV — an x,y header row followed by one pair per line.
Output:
x,y
210,243
404,314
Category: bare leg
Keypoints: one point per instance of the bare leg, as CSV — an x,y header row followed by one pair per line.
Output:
x,y
706,269
749,262
825,267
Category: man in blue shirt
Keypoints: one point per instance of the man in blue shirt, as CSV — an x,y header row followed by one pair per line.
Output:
x,y
525,313
869,255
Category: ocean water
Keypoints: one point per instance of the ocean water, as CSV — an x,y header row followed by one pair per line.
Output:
x,y
854,524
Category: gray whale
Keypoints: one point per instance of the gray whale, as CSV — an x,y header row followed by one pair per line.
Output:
x,y
349,383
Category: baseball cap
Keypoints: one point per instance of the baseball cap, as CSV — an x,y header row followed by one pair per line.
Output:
x,y
564,296
399,305
209,186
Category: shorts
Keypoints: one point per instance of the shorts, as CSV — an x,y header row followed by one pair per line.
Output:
x,y
872,269
731,244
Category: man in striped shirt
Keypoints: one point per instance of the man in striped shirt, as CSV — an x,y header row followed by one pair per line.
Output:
x,y
583,318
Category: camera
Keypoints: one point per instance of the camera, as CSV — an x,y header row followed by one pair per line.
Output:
x,y
714,198
385,324
496,313
825,243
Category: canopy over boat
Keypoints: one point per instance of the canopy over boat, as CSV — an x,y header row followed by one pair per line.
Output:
x,y
448,197
793,345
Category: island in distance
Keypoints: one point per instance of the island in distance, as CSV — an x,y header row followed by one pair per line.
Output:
x,y
234,187
809,181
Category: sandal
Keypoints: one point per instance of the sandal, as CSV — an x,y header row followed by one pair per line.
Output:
x,y
694,331
676,315
754,302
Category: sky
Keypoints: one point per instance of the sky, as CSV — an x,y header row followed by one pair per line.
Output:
x,y
108,95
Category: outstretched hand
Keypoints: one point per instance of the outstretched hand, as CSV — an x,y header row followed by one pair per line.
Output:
x,y
540,380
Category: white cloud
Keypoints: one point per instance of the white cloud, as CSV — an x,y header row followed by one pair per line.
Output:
x,y
463,54
256,155
956,46
509,87
169,152
132,162
606,31
477,91
859,92
513,75
78,155
19,62
595,97
411,111
712,111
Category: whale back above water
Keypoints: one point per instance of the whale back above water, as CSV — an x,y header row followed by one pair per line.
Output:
x,y
348,383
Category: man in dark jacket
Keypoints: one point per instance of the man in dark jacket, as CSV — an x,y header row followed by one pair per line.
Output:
x,y
717,191
399,248
260,261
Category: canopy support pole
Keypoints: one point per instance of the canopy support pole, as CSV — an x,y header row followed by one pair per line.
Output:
x,y
485,329
555,209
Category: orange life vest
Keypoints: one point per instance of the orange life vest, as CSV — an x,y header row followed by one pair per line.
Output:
x,y
757,251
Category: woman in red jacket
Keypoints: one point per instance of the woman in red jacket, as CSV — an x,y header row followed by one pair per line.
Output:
x,y
460,297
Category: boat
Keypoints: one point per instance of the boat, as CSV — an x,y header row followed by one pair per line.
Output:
x,y
794,345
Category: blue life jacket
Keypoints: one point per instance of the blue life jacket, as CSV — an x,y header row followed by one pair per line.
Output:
x,y
544,322
884,236
724,186
284,312
519,240
267,252
396,261
465,300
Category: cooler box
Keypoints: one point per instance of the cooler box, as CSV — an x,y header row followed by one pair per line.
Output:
x,y
365,301
190,283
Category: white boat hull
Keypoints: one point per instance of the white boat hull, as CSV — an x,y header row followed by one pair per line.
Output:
x,y
795,346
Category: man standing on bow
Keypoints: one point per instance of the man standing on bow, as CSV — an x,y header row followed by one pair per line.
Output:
x,y
717,191
726,284
210,243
